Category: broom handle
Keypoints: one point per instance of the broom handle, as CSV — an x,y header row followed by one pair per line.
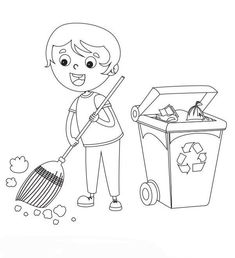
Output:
x,y
62,159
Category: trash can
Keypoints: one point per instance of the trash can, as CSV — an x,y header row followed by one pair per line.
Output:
x,y
180,153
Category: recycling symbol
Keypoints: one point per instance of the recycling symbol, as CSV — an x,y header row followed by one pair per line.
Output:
x,y
192,159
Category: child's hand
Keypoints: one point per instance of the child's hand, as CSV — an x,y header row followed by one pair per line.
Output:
x,y
73,142
94,117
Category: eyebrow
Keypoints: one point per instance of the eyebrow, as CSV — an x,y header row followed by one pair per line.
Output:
x,y
62,51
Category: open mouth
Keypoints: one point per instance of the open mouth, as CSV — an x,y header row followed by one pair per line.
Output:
x,y
77,79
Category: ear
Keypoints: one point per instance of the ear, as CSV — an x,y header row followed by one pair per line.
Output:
x,y
114,70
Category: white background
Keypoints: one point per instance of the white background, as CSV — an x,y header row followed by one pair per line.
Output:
x,y
163,43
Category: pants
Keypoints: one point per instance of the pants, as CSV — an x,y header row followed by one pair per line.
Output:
x,y
110,155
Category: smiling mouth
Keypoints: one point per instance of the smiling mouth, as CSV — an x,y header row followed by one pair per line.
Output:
x,y
77,79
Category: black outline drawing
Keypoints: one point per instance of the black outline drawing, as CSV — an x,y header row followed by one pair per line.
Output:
x,y
195,113
82,67
73,219
17,208
37,212
47,214
195,165
26,214
11,182
18,164
56,221
60,210
183,180
44,183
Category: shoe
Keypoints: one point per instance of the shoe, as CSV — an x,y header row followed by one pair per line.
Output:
x,y
115,206
84,201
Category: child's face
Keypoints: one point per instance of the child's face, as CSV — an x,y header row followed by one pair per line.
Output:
x,y
77,72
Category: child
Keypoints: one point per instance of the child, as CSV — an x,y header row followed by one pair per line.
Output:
x,y
82,57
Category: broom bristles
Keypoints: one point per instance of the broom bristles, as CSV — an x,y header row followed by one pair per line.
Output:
x,y
52,196
40,187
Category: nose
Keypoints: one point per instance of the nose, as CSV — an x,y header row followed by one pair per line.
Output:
x,y
75,66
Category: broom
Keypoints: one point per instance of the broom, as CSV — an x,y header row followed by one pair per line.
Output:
x,y
44,183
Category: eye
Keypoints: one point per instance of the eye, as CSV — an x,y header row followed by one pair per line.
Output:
x,y
90,62
65,60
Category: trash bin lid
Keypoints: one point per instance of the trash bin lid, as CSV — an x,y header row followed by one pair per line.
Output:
x,y
180,97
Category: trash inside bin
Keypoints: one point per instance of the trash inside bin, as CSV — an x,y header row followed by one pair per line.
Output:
x,y
180,145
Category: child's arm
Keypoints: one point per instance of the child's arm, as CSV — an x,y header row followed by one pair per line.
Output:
x,y
110,115
107,111
70,138
69,121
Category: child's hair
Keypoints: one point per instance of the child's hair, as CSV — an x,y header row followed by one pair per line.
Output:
x,y
87,38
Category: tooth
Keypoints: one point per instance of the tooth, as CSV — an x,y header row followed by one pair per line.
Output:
x,y
78,75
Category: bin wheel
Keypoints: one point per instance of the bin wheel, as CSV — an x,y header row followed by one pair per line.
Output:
x,y
149,193
155,190
135,113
